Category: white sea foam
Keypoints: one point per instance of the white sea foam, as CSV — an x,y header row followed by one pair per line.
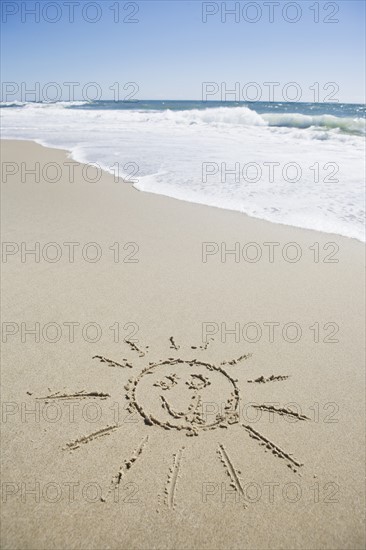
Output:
x,y
170,148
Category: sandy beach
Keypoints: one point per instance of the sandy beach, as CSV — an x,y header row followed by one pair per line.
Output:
x,y
164,387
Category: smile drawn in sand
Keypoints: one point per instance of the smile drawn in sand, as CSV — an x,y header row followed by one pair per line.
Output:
x,y
193,384
177,394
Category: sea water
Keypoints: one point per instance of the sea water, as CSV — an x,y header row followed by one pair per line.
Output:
x,y
301,164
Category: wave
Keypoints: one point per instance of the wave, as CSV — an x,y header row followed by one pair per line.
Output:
x,y
213,116
56,105
12,103
233,116
243,116
43,105
329,122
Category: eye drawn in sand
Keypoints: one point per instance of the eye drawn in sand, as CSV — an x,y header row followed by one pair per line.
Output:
x,y
190,396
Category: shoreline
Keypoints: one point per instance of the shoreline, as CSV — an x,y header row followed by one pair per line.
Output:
x,y
69,154
288,334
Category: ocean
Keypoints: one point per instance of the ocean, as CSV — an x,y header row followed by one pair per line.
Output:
x,y
299,164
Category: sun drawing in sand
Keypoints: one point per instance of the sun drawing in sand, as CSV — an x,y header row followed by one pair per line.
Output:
x,y
180,393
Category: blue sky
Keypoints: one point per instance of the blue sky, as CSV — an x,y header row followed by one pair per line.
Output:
x,y
170,51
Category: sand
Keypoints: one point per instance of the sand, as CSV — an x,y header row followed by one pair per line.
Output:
x,y
165,441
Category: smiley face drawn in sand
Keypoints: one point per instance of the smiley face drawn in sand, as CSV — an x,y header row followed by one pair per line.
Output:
x,y
185,395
